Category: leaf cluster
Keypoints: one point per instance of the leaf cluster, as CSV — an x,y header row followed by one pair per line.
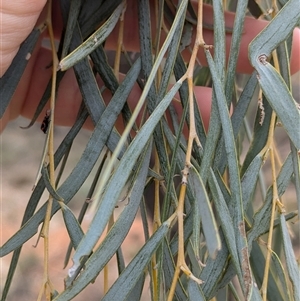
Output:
x,y
223,228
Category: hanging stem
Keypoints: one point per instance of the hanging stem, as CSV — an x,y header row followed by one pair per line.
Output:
x,y
120,43
181,264
47,287
156,224
106,272
270,148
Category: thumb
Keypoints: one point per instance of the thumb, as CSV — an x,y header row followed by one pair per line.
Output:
x,y
17,20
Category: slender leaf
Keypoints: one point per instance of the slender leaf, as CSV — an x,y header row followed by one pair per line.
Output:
x,y
237,119
261,132
44,99
270,81
261,219
14,243
136,293
92,42
92,151
71,24
195,292
11,78
118,180
74,230
168,267
121,288
296,168
249,180
226,223
235,186
281,278
291,263
238,27
258,260
113,240
93,13
203,212
213,271
49,186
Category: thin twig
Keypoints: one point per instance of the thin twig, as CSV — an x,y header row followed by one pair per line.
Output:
x,y
181,264
120,43
47,287
270,148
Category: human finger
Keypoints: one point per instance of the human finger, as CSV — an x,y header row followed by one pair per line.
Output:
x,y
252,27
17,20
69,97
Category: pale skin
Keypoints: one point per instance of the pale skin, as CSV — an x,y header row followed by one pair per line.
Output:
x,y
18,19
